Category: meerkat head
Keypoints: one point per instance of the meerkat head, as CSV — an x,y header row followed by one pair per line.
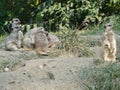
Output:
x,y
41,28
16,21
108,27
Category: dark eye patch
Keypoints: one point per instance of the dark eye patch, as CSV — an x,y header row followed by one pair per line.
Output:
x,y
15,20
17,27
109,25
41,28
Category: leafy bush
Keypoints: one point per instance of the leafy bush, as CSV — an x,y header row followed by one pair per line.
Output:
x,y
69,13
110,7
25,10
55,14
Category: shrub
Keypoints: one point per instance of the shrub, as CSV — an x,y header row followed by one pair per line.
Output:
x,y
70,13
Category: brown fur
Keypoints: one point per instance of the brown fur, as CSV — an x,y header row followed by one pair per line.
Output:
x,y
29,38
109,44
53,41
13,41
41,43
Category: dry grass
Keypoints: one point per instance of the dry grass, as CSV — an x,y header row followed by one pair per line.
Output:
x,y
105,76
71,43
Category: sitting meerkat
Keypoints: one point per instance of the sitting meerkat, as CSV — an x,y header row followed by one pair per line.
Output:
x,y
109,43
41,43
54,41
29,38
45,41
14,41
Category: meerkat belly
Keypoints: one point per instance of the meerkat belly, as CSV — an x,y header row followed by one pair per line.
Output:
x,y
11,38
41,40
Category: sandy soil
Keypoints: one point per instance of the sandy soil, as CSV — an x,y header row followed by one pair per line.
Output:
x,y
43,74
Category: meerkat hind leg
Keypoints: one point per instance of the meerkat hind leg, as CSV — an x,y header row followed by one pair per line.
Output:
x,y
40,51
106,57
27,49
12,47
112,57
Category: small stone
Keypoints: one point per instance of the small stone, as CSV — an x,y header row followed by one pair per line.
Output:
x,y
12,82
40,66
6,69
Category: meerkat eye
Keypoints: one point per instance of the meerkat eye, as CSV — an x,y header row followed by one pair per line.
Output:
x,y
42,28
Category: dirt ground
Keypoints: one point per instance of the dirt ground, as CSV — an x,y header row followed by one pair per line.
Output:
x,y
31,72
43,73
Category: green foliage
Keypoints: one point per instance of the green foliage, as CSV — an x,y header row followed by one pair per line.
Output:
x,y
25,10
104,77
73,13
56,14
115,1
110,7
69,13
88,11
115,20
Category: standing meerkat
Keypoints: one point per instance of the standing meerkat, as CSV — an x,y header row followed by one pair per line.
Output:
x,y
41,43
109,43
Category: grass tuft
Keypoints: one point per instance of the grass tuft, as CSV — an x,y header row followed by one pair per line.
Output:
x,y
9,64
102,77
71,43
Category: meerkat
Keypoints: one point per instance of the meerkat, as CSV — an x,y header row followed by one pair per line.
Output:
x,y
29,38
14,40
44,42
109,43
53,41
41,43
